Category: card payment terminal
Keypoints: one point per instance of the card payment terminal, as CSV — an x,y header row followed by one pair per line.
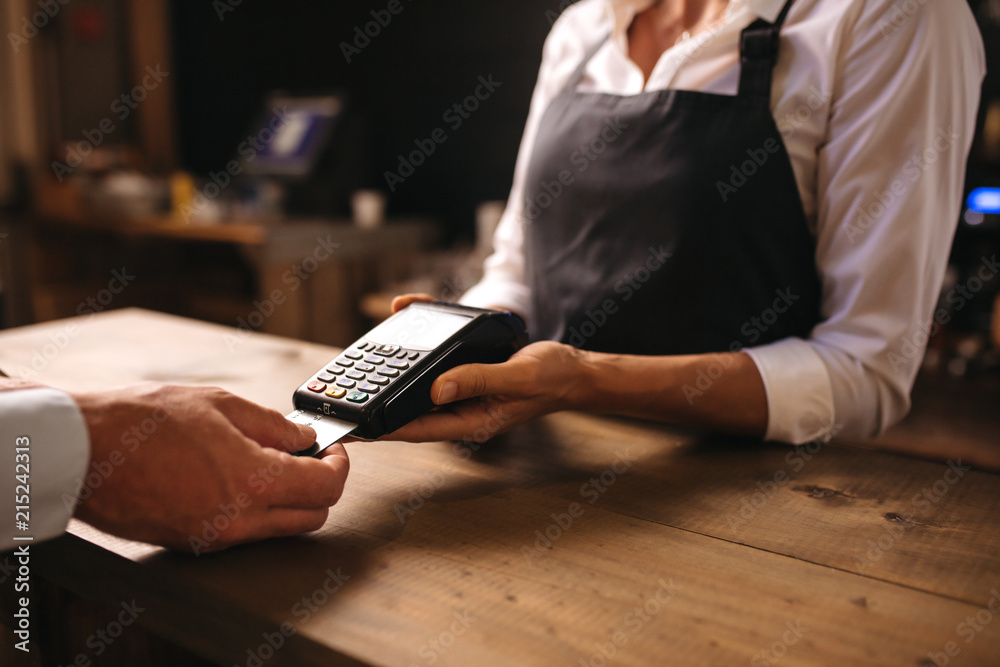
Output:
x,y
383,380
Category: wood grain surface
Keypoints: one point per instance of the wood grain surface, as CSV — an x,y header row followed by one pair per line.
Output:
x,y
575,540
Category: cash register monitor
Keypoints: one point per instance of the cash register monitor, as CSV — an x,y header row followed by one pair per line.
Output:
x,y
297,131
313,147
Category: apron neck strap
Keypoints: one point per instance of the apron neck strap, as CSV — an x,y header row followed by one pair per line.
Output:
x,y
758,55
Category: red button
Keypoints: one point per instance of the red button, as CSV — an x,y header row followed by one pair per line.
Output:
x,y
318,387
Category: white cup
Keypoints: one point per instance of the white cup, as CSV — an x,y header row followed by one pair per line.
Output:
x,y
368,208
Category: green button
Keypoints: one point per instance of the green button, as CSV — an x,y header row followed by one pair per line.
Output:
x,y
357,397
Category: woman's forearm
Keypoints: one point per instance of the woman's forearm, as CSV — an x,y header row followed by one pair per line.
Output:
x,y
723,391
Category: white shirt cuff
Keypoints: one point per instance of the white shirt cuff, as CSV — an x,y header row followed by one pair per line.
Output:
x,y
799,395
48,425
498,294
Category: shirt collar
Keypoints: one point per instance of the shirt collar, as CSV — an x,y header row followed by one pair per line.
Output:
x,y
623,11
766,9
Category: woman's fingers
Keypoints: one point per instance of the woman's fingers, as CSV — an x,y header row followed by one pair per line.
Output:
x,y
404,300
474,380
472,421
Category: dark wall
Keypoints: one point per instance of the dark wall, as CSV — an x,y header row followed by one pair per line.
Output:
x,y
426,59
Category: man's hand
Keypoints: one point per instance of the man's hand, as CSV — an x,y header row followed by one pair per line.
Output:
x,y
183,456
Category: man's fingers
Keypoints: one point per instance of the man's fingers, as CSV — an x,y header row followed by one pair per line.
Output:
x,y
307,482
303,438
337,456
285,522
267,427
404,300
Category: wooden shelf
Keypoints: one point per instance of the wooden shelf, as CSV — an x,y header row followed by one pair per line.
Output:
x,y
315,271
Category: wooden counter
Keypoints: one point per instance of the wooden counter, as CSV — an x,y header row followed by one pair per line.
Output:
x,y
575,540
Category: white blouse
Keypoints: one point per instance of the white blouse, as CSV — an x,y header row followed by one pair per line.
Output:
x,y
876,101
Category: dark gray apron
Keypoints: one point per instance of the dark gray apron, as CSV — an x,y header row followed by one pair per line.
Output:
x,y
669,222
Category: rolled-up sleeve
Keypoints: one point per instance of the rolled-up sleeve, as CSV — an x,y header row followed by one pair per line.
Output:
x,y
890,181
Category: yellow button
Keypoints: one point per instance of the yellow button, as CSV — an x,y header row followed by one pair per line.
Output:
x,y
336,393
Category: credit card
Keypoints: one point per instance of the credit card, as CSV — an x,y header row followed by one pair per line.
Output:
x,y
329,430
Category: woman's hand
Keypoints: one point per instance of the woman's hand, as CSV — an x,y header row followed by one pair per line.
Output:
x,y
404,300
483,400
722,391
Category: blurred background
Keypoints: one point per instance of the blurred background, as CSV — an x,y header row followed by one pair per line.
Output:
x,y
287,167
144,134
